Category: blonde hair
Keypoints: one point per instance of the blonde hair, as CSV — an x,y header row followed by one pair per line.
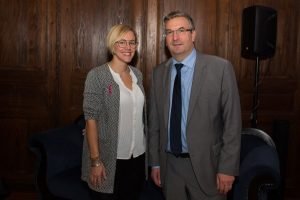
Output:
x,y
115,33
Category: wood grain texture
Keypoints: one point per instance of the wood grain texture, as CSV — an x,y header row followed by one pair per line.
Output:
x,y
47,47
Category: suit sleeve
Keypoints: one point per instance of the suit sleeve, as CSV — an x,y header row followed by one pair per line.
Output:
x,y
231,114
153,126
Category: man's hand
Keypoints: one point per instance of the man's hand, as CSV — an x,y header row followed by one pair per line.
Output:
x,y
224,183
155,175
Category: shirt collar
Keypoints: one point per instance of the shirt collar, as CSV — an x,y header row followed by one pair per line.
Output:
x,y
189,61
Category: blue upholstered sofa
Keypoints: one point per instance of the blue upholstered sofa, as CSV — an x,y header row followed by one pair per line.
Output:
x,y
58,163
259,176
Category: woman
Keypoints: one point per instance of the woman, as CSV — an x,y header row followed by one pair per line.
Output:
x,y
113,161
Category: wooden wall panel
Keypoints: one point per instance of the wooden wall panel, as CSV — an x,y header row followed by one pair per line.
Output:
x,y
47,47
152,39
27,94
294,137
82,44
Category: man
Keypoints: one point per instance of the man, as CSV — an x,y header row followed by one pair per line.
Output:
x,y
207,122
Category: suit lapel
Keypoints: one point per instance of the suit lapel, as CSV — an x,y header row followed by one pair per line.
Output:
x,y
166,89
199,73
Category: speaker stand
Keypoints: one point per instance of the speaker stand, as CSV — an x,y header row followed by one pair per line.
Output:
x,y
255,103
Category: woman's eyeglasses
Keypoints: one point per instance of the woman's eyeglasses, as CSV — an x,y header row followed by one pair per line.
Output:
x,y
125,43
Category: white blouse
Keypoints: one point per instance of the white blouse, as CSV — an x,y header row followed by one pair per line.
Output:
x,y
131,139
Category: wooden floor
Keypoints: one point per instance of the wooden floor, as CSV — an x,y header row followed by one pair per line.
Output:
x,y
19,192
29,193
23,195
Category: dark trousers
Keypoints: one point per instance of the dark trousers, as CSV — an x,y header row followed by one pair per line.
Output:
x,y
129,180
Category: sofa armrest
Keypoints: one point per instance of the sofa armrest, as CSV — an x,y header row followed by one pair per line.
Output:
x,y
259,169
58,154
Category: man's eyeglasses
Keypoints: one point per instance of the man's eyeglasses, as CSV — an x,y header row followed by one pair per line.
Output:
x,y
124,43
179,31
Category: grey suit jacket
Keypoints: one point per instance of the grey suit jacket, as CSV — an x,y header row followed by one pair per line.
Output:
x,y
213,123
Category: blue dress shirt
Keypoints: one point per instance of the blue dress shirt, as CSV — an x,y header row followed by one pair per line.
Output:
x,y
187,73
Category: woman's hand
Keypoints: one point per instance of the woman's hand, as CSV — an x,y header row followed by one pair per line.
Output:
x,y
97,175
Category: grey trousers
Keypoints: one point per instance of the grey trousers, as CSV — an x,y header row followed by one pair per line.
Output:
x,y
181,182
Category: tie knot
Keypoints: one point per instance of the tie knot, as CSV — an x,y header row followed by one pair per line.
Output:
x,y
178,66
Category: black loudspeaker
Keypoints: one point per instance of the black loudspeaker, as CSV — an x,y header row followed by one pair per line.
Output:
x,y
259,28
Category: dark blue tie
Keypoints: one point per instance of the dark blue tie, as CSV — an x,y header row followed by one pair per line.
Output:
x,y
175,121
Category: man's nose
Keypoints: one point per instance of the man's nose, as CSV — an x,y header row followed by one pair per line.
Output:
x,y
175,35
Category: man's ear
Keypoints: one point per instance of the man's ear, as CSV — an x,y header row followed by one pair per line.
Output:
x,y
194,35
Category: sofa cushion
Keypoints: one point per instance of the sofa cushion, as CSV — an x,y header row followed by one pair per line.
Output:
x,y
67,184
